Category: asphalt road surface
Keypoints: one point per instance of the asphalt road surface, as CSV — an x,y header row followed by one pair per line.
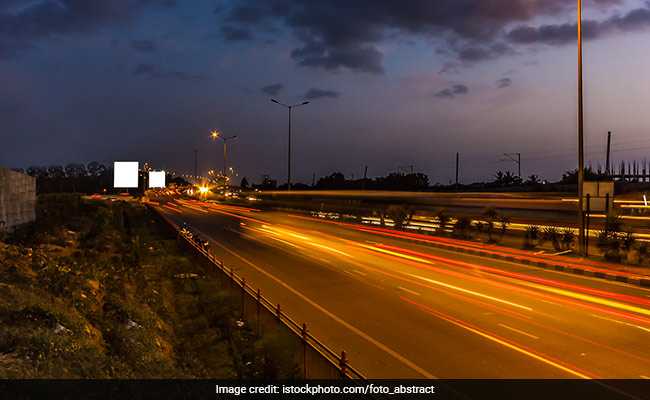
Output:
x,y
401,309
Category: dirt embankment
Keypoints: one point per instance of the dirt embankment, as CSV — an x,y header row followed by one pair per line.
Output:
x,y
100,290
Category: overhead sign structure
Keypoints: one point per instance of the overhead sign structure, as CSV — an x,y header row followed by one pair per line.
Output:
x,y
125,174
156,179
601,195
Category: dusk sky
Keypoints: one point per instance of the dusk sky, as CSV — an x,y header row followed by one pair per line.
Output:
x,y
391,84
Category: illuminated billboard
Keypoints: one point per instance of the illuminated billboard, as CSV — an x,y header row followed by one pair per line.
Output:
x,y
125,174
156,179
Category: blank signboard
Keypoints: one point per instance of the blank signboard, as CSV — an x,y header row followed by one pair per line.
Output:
x,y
156,179
125,174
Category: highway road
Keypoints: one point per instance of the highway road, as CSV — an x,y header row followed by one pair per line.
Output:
x,y
403,309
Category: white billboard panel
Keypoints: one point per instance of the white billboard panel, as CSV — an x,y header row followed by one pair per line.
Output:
x,y
156,179
125,174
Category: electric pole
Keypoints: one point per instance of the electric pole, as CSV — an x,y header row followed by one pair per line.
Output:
x,y
196,163
457,166
609,146
365,177
511,157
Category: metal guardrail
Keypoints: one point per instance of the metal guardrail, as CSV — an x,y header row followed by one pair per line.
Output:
x,y
339,361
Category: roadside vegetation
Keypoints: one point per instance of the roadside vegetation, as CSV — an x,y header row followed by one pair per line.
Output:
x,y
99,289
614,242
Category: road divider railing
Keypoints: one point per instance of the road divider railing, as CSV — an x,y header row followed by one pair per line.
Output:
x,y
316,359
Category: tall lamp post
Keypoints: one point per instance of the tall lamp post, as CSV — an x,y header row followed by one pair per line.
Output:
x,y
581,161
218,135
289,107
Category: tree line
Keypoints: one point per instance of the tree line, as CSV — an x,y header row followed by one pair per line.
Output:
x,y
93,177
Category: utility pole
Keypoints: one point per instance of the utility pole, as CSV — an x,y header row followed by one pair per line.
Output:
x,y
457,166
609,146
581,161
511,157
196,163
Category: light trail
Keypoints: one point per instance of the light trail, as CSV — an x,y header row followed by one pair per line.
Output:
x,y
547,282
472,292
511,345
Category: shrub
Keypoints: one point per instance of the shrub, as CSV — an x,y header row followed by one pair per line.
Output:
x,y
627,241
568,238
462,226
531,235
610,244
400,215
643,251
504,221
479,226
443,220
551,234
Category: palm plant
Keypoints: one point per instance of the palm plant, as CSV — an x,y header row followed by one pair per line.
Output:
x,y
531,236
461,227
443,220
551,234
568,237
504,221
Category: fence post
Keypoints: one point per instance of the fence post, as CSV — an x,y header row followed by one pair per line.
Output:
x,y
259,304
303,333
343,364
587,226
243,298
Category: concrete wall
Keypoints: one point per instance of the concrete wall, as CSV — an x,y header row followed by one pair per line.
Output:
x,y
17,199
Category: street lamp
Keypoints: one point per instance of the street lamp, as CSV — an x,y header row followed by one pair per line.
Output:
x,y
214,135
289,107
581,161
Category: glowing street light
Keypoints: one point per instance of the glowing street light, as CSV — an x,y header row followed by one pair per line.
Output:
x,y
289,107
581,160
214,135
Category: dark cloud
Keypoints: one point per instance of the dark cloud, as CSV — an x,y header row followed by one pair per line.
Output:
x,y
361,58
450,68
272,90
153,71
504,83
235,34
473,54
455,90
337,34
24,22
315,93
145,46
560,34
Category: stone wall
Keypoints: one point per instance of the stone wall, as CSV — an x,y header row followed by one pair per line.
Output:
x,y
17,199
